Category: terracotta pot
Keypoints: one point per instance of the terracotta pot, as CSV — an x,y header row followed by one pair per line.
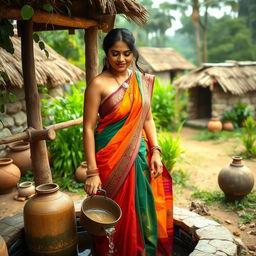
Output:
x,y
26,189
228,125
9,175
3,247
20,153
49,222
108,211
81,172
214,125
236,180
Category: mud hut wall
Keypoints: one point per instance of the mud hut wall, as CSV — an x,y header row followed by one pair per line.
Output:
x,y
15,119
222,102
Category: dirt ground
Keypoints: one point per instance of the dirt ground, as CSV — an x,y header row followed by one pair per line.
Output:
x,y
203,161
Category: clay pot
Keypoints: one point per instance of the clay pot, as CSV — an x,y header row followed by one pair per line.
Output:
x,y
20,153
26,189
3,247
81,172
9,175
49,222
214,125
236,180
228,125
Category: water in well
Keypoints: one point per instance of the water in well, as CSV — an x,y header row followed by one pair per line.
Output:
x,y
183,243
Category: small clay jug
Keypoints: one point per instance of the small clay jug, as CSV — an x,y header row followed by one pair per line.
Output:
x,y
236,180
49,222
20,153
9,175
214,125
81,172
228,125
3,247
26,189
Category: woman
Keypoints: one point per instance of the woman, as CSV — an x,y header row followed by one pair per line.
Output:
x,y
122,153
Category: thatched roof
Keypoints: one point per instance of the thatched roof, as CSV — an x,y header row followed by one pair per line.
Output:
x,y
162,59
130,8
52,71
237,78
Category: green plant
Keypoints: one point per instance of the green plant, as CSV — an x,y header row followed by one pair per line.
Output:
x,y
180,177
208,197
171,149
238,114
67,148
249,137
167,113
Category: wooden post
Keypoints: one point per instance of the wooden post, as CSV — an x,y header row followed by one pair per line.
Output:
x,y
91,51
40,163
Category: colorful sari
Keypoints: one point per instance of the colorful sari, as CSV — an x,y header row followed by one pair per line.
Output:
x,y
122,155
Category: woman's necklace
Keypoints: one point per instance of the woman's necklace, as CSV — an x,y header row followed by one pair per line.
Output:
x,y
124,84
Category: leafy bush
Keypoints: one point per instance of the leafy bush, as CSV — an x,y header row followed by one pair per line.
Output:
x,y
249,137
67,148
238,114
166,114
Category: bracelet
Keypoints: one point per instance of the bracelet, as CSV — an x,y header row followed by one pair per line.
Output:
x,y
93,171
156,147
91,175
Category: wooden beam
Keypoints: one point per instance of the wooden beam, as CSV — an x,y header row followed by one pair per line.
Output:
x,y
91,51
49,18
39,157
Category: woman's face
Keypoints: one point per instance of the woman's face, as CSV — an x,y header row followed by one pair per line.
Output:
x,y
120,56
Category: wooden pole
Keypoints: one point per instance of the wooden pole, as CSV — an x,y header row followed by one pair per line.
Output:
x,y
40,163
91,51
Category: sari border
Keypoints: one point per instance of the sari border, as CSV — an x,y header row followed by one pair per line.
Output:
x,y
124,165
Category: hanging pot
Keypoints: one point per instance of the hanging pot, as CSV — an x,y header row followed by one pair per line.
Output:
x,y
20,153
99,213
49,222
228,125
26,189
236,180
214,125
3,247
9,175
81,172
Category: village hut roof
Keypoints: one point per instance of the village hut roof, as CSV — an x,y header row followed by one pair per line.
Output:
x,y
52,71
162,59
234,77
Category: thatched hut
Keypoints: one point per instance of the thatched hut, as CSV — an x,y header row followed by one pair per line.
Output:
x,y
52,72
217,87
165,63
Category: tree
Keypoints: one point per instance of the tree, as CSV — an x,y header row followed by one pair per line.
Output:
x,y
230,39
247,9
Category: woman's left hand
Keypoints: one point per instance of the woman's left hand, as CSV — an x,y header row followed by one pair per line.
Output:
x,y
156,166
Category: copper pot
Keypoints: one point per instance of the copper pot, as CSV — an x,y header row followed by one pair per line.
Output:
x,y
99,204
3,247
81,172
26,189
20,153
49,222
9,175
236,180
228,125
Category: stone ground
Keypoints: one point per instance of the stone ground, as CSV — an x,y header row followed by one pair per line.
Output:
x,y
204,160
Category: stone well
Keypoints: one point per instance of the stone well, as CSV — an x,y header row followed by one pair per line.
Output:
x,y
209,237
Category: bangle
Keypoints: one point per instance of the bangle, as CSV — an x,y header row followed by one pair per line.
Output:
x,y
156,147
93,171
91,175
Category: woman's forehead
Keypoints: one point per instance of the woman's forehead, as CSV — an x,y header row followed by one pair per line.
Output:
x,y
120,46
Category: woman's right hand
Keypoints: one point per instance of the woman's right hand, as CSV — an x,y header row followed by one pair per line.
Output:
x,y
92,184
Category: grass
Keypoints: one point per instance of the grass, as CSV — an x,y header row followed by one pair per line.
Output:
x,y
217,136
245,208
180,177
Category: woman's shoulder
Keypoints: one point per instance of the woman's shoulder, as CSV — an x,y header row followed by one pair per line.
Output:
x,y
98,81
